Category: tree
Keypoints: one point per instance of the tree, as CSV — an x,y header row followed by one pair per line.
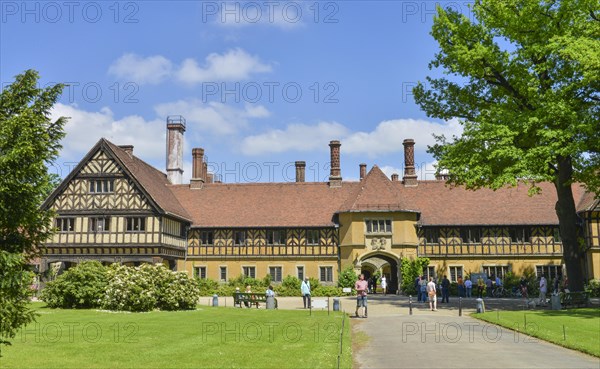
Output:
x,y
524,81
29,140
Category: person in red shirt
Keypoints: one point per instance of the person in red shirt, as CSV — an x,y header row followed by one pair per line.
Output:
x,y
361,294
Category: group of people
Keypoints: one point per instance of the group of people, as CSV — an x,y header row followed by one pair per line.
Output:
x,y
372,284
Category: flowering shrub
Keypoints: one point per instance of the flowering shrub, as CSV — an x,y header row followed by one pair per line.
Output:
x,y
149,287
82,286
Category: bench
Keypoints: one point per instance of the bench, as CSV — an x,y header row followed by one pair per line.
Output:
x,y
249,299
574,299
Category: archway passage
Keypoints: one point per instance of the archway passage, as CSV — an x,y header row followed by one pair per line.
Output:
x,y
384,263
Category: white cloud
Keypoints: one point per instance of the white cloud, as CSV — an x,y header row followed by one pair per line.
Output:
x,y
213,117
234,65
295,137
389,135
141,70
85,128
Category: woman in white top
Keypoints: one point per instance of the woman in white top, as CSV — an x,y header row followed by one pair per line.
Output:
x,y
384,284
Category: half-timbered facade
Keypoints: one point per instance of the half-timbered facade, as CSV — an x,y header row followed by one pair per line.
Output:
x,y
114,207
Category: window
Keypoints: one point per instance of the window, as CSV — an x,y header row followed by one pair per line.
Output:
x,y
200,272
206,238
470,235
519,234
429,271
249,272
136,224
275,273
102,185
556,234
455,272
379,225
239,238
65,224
496,270
431,235
274,237
223,274
549,271
326,274
99,224
312,237
300,272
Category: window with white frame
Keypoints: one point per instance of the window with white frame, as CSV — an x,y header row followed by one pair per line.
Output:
x,y
520,234
275,237
275,273
378,225
249,271
470,234
206,238
549,271
65,224
239,238
455,272
99,224
200,272
136,224
326,274
223,274
432,235
102,185
429,271
495,270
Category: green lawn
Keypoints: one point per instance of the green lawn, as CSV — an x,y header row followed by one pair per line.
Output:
x,y
581,326
207,337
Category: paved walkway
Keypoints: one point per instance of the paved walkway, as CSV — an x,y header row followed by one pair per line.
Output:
x,y
442,339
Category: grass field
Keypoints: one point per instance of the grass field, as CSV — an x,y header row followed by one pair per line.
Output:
x,y
207,337
578,329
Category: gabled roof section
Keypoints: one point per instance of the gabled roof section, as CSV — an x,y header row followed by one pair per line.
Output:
x,y
151,182
375,193
293,204
588,202
442,204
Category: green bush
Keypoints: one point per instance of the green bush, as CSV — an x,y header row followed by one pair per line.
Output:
x,y
322,291
593,287
207,286
411,269
347,278
291,282
80,287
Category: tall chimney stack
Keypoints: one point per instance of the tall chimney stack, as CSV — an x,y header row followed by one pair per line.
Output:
x,y
175,129
363,170
300,171
410,177
198,177
335,175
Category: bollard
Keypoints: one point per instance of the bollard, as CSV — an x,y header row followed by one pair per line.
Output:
x,y
336,304
409,305
215,301
270,302
480,305
460,306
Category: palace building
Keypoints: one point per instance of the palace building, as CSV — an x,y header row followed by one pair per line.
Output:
x,y
114,207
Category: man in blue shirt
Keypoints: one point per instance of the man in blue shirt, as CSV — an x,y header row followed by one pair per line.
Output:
x,y
305,289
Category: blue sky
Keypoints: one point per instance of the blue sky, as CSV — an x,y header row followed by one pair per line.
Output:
x,y
261,84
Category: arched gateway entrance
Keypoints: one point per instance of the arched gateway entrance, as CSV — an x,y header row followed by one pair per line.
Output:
x,y
385,264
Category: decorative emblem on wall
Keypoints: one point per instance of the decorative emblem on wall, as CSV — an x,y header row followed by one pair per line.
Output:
x,y
378,243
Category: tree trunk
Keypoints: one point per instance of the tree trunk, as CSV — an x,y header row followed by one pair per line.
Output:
x,y
569,225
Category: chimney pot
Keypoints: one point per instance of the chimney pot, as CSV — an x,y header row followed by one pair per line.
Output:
x,y
363,170
395,177
335,175
300,171
410,177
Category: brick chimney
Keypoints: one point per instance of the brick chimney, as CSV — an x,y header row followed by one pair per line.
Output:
x,y
395,177
175,129
300,171
410,177
128,149
335,175
198,176
442,176
363,170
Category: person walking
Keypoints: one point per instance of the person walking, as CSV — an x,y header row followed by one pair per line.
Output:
x,y
431,293
543,290
383,285
468,287
445,290
489,287
361,287
480,287
423,286
418,288
305,290
461,286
